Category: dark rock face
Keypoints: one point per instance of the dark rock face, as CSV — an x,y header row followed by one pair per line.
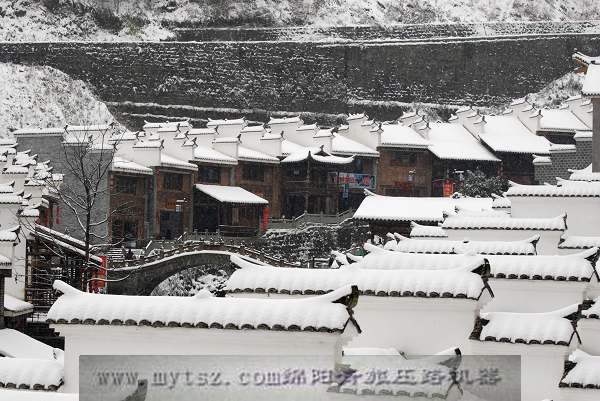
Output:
x,y
310,76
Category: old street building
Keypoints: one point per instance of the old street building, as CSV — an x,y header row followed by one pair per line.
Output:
x,y
161,180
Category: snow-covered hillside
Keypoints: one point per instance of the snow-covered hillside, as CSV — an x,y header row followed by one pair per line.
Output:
x,y
44,97
48,20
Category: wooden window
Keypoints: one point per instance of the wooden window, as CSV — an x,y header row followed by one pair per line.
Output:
x,y
125,185
253,172
209,174
173,181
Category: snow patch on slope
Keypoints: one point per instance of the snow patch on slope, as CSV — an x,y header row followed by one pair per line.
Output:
x,y
40,97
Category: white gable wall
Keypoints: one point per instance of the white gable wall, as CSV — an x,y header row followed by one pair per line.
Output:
x,y
534,295
145,340
542,366
583,216
417,326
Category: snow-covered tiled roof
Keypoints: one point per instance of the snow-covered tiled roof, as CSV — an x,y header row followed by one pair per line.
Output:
x,y
210,155
450,141
591,309
523,247
399,208
345,146
324,133
577,267
561,120
227,194
584,59
127,166
585,174
379,207
38,131
316,155
412,245
64,240
11,199
572,190
9,234
390,260
216,123
579,242
180,123
288,147
448,283
508,134
253,128
148,144
542,160
584,135
201,131
170,161
581,371
16,306
35,374
562,148
493,223
15,169
548,328
7,188
401,136
30,212
591,83
424,231
248,154
14,344
308,127
203,311
5,260
284,120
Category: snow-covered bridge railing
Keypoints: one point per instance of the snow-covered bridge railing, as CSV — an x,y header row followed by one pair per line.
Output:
x,y
204,246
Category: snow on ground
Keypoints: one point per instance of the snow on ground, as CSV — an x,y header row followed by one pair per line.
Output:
x,y
62,20
556,92
192,281
112,20
42,97
383,12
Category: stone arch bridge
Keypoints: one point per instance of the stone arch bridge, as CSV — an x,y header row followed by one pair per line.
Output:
x,y
140,277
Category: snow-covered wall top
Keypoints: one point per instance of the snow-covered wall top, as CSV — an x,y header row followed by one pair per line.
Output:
x,y
329,313
450,283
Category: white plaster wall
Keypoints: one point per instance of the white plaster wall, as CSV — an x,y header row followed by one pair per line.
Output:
x,y
227,130
576,394
548,244
542,366
589,331
583,214
144,340
416,326
533,295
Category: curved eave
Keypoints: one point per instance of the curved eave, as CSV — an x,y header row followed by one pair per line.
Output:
x,y
256,160
403,146
359,154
